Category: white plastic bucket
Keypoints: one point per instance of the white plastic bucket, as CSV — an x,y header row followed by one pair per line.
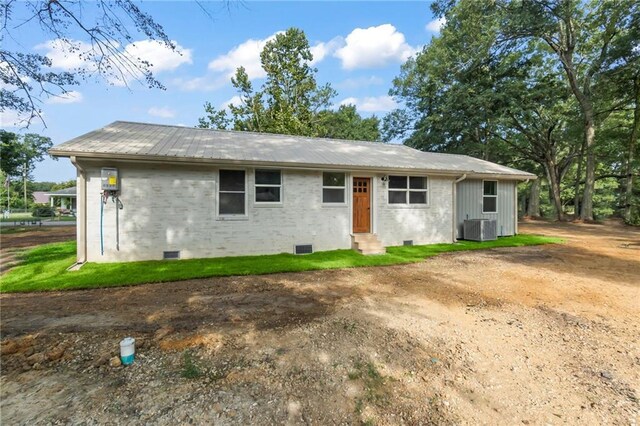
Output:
x,y
127,350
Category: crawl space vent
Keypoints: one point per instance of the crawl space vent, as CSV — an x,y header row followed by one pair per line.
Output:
x,y
303,249
407,243
171,254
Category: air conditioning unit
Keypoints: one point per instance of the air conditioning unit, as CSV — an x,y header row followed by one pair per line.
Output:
x,y
480,230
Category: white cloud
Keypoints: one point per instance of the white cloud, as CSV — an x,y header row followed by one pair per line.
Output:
x,y
71,97
68,55
371,103
73,55
235,101
436,25
12,119
246,54
374,47
162,112
160,57
322,49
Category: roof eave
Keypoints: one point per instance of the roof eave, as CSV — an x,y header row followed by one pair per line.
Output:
x,y
306,166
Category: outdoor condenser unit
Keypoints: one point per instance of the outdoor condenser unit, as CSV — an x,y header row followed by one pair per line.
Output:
x,y
480,229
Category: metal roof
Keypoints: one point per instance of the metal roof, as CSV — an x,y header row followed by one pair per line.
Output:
x,y
142,141
66,191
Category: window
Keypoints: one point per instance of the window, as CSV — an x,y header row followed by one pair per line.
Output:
x,y
489,196
408,190
333,188
231,192
268,184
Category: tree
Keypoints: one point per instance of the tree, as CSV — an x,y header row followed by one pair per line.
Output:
x,y
289,100
104,29
10,158
580,36
215,118
30,148
463,95
346,123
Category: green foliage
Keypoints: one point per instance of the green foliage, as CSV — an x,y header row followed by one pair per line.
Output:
x,y
63,185
45,267
521,83
43,210
290,101
346,123
215,119
11,152
189,368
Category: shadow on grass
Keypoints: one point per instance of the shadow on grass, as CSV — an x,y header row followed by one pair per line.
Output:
x,y
44,268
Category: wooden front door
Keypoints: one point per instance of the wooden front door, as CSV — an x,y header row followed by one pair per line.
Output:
x,y
361,205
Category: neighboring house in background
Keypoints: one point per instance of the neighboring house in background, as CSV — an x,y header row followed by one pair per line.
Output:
x,y
194,193
40,197
67,197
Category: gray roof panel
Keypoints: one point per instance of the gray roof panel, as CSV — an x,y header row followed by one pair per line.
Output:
x,y
135,140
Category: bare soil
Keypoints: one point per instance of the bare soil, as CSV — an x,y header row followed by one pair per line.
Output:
x,y
532,335
13,239
32,236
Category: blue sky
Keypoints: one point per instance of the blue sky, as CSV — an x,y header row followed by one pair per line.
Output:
x,y
358,48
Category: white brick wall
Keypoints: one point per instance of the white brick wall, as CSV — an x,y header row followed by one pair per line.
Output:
x,y
174,208
424,225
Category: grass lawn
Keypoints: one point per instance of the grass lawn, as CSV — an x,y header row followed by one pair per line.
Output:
x,y
44,267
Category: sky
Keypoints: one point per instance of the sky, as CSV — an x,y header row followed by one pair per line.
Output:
x,y
358,48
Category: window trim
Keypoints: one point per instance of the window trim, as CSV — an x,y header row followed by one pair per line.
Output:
x,y
257,203
227,216
407,191
492,196
344,189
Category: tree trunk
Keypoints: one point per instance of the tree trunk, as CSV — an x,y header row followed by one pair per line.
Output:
x,y
586,210
633,140
24,187
554,188
533,209
576,196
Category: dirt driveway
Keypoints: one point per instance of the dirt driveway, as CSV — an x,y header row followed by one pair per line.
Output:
x,y
534,335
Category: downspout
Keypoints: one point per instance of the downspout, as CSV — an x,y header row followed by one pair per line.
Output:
x,y
515,199
454,228
81,226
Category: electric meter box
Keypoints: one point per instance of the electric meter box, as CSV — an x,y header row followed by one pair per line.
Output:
x,y
110,181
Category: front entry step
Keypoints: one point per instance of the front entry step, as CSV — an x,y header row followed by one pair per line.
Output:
x,y
367,244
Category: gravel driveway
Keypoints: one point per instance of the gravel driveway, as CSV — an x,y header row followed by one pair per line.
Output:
x,y
529,335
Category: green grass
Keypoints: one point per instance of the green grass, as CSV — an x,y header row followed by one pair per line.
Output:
x,y
44,267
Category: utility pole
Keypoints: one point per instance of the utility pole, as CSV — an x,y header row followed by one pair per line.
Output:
x,y
24,180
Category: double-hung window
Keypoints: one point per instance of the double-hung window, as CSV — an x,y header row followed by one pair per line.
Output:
x,y
268,186
489,196
232,193
334,186
408,190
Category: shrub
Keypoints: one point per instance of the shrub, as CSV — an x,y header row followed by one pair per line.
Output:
x,y
43,211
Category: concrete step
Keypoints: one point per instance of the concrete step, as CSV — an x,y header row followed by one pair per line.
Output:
x,y
372,245
367,244
356,238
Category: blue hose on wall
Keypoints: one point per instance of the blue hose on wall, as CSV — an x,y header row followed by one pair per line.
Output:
x,y
101,214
